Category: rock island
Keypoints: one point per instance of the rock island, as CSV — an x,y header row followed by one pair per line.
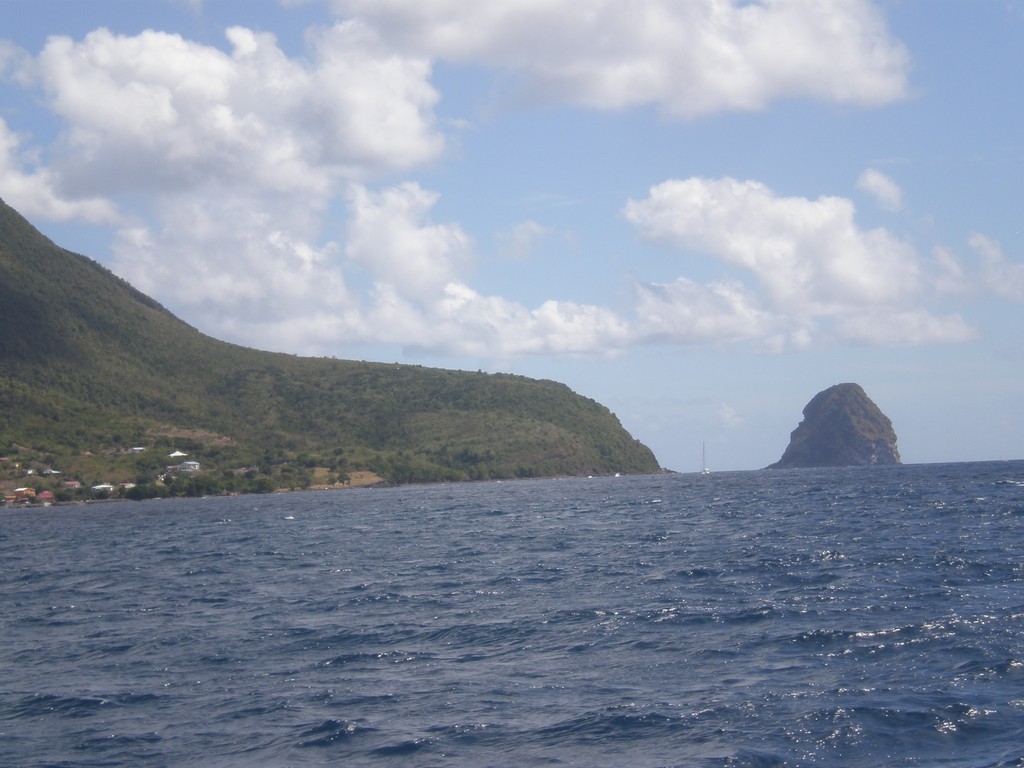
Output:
x,y
841,427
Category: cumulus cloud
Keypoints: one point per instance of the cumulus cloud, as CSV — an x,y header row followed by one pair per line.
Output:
x,y
255,278
420,300
885,191
803,253
807,258
390,239
156,113
235,158
244,274
242,157
462,321
999,275
684,311
35,191
990,273
950,276
690,58
493,326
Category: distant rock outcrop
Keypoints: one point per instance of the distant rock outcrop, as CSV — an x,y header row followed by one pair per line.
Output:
x,y
841,427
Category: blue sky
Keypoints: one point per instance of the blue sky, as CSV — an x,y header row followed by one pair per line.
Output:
x,y
699,212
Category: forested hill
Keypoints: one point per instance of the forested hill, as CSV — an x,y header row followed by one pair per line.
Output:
x,y
91,366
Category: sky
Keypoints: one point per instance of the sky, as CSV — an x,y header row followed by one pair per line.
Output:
x,y
698,212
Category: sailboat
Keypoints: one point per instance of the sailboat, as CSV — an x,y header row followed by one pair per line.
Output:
x,y
704,460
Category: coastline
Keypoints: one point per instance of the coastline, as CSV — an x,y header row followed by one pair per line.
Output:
x,y
357,479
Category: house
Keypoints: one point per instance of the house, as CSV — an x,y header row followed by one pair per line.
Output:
x,y
103,487
72,484
176,455
189,466
45,496
138,449
24,494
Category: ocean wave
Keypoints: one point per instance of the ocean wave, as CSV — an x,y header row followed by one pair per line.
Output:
x,y
768,619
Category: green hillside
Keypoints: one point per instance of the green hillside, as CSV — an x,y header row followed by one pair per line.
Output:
x,y
90,367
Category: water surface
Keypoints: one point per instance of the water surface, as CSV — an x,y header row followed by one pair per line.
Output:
x,y
854,617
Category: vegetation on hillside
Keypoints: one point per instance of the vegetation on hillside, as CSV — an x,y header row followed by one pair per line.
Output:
x,y
91,367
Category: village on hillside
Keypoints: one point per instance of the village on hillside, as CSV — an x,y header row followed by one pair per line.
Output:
x,y
29,481
140,472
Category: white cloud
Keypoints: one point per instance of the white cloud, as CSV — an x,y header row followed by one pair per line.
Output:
x,y
684,311
950,277
807,255
998,275
465,322
156,113
238,156
809,259
690,58
34,192
420,299
390,239
241,267
244,268
885,191
990,274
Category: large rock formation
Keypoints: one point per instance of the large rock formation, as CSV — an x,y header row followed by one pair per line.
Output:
x,y
841,427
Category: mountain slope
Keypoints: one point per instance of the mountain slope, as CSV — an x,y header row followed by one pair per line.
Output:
x,y
88,363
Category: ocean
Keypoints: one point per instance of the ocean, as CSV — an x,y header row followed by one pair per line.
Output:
x,y
840,617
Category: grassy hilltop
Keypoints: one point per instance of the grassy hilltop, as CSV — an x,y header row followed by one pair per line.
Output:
x,y
91,367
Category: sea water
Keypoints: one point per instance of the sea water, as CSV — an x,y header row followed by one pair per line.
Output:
x,y
841,617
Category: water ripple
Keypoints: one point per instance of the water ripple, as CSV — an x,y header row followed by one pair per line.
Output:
x,y
840,617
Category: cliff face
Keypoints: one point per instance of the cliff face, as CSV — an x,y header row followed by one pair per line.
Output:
x,y
841,427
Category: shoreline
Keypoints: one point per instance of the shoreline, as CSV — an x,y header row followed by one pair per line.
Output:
x,y
358,479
